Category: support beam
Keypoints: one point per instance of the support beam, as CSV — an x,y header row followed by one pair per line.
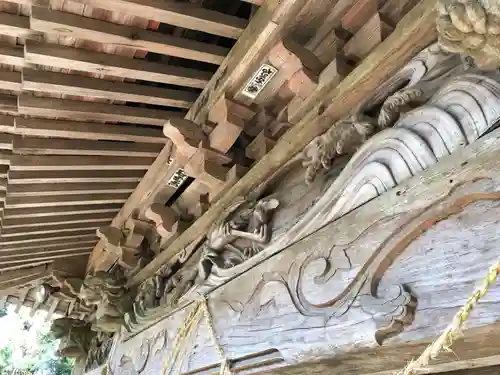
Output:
x,y
69,84
189,16
113,65
48,146
102,217
415,31
67,24
60,210
30,259
51,244
29,239
26,190
80,130
10,81
17,26
13,233
11,55
65,200
61,177
64,162
91,111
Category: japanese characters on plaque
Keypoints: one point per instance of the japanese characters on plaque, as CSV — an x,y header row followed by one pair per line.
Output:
x,y
259,80
177,179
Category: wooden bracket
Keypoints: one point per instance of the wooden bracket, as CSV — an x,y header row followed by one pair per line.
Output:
x,y
185,134
230,118
168,223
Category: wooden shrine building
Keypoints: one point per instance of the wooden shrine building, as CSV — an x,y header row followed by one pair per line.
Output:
x,y
254,186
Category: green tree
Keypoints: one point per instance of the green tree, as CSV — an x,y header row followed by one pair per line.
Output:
x,y
6,361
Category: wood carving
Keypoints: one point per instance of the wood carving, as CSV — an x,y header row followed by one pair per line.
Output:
x,y
347,278
108,293
238,235
75,336
453,108
471,28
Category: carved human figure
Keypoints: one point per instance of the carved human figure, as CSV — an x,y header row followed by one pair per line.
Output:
x,y
237,235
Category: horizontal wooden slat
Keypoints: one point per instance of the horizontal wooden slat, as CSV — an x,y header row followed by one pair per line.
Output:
x,y
65,200
69,84
189,16
8,104
59,177
37,257
113,65
6,141
69,219
62,210
47,146
80,130
91,111
64,162
16,25
22,190
49,228
52,245
10,80
11,55
26,239
52,21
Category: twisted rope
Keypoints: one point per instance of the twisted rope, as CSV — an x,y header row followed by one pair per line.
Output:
x,y
454,330
189,326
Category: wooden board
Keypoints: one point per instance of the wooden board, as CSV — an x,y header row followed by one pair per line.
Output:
x,y
80,130
60,83
91,111
60,177
66,24
189,16
47,146
64,200
60,210
21,190
113,65
8,222
64,162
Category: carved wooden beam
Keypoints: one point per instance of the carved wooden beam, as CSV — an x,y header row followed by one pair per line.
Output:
x,y
415,31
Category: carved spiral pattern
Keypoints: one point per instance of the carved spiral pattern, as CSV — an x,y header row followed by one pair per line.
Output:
x,y
471,28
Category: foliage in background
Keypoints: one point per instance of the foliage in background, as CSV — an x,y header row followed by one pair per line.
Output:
x,y
27,345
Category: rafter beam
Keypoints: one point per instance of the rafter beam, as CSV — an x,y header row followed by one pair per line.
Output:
x,y
47,146
113,65
69,84
67,24
65,162
189,16
80,130
24,190
91,111
64,200
61,177
60,210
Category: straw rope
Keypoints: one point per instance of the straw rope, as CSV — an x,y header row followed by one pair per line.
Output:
x,y
454,330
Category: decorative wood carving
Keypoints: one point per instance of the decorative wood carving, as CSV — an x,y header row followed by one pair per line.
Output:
x,y
108,293
471,28
238,235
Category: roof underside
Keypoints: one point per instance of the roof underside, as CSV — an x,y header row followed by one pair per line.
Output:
x,y
86,86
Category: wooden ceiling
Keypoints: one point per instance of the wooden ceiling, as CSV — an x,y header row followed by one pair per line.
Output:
x,y
85,88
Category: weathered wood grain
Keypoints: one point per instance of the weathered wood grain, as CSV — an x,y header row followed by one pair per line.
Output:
x,y
415,31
